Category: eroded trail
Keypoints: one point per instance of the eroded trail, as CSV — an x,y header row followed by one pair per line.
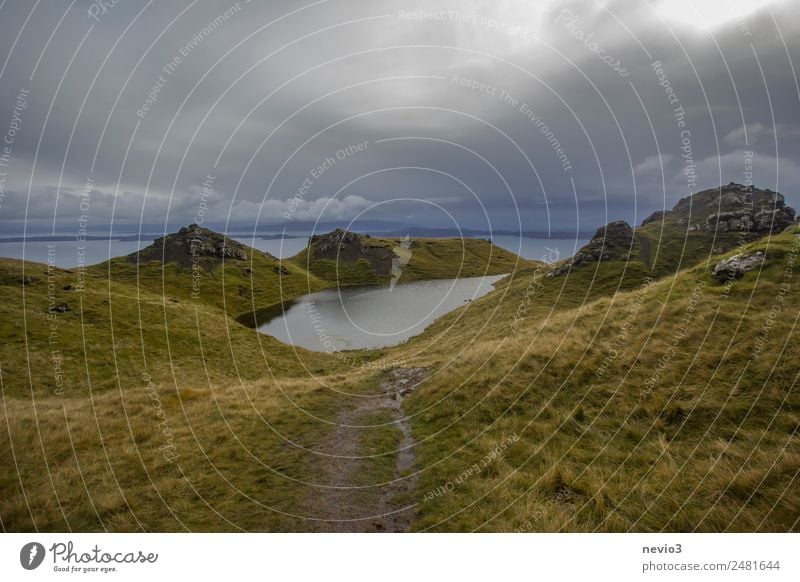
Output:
x,y
350,500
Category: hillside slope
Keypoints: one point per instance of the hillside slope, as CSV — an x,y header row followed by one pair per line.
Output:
x,y
671,406
348,258
603,398
199,265
707,223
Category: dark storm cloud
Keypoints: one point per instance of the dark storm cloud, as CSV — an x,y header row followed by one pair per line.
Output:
x,y
485,113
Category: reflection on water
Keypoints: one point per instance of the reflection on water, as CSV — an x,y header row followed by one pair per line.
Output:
x,y
371,317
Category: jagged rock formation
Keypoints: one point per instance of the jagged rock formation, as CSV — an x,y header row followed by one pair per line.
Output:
x,y
732,214
736,266
657,216
746,210
611,242
192,245
343,245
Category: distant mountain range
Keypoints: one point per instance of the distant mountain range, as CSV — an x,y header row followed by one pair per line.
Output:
x,y
306,229
329,225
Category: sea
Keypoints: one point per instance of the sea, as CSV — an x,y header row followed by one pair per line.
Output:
x,y
69,253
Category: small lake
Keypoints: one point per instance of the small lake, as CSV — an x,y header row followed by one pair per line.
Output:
x,y
371,317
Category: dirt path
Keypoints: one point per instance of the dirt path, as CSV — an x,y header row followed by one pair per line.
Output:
x,y
349,502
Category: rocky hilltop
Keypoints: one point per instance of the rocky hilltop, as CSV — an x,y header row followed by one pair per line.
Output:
x,y
344,258
709,222
613,241
192,244
343,245
744,209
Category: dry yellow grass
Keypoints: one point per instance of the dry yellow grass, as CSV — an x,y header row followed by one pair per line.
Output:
x,y
595,408
711,445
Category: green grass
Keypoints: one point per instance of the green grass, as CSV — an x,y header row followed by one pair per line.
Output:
x,y
238,463
565,438
431,258
711,447
120,332
378,444
675,248
236,288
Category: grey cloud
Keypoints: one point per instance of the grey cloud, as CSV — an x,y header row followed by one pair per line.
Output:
x,y
294,92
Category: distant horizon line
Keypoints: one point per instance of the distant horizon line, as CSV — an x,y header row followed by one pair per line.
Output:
x,y
418,232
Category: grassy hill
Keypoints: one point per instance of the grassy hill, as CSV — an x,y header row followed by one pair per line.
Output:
x,y
346,258
611,395
119,332
710,223
649,409
178,306
206,268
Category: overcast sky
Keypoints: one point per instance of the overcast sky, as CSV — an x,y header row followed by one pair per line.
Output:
x,y
481,114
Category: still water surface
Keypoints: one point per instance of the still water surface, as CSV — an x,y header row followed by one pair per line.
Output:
x,y
371,317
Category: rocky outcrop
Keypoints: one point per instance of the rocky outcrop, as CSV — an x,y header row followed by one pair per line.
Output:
x,y
343,245
730,196
611,242
763,222
745,210
733,213
657,216
736,266
192,245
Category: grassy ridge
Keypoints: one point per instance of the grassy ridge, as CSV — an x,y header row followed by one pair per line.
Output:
x,y
673,248
233,287
159,410
149,407
526,423
676,426
120,331
430,258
